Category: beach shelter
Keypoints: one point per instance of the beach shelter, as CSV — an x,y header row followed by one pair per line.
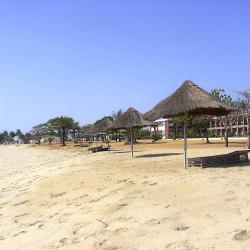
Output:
x,y
188,100
131,120
101,127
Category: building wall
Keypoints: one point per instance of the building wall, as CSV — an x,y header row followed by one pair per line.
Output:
x,y
237,126
162,128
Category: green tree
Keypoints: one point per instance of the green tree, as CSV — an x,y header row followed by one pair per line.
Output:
x,y
19,134
28,136
202,123
62,124
222,95
75,131
12,134
4,137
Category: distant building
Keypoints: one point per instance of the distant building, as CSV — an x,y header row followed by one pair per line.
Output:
x,y
237,126
162,127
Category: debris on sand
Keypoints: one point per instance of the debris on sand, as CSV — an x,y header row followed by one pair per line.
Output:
x,y
242,235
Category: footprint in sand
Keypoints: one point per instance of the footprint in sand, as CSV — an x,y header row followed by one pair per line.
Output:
x,y
112,248
64,242
21,232
36,222
61,243
20,215
182,245
99,244
242,235
120,230
81,197
21,203
121,181
152,184
156,221
53,215
181,228
124,219
116,207
232,198
52,195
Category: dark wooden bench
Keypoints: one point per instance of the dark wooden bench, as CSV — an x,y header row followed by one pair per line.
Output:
x,y
98,149
220,160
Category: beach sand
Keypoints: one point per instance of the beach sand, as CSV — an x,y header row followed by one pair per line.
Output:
x,y
66,198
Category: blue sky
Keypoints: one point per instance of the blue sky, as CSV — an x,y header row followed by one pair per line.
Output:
x,y
87,58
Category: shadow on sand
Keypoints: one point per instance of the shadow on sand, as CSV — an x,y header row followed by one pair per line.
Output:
x,y
123,152
230,165
157,155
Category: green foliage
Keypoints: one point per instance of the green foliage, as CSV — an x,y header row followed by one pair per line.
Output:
x,y
28,136
142,134
19,134
221,94
12,134
5,138
62,124
86,127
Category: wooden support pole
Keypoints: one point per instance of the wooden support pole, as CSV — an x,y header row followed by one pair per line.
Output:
x,y
185,142
131,138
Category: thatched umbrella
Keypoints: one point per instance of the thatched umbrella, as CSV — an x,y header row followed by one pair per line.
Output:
x,y
188,100
130,120
101,127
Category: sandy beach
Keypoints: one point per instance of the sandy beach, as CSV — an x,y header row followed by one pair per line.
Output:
x,y
67,198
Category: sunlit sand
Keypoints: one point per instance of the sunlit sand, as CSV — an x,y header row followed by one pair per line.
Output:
x,y
68,198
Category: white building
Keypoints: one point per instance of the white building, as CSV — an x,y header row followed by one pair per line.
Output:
x,y
162,127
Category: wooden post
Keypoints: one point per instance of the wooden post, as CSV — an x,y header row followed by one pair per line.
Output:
x,y
131,138
155,133
185,142
108,142
226,131
237,128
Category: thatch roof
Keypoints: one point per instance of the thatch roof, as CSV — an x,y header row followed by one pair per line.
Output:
x,y
189,99
101,126
130,119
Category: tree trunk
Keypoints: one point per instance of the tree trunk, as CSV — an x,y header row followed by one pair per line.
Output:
x,y
63,136
175,132
74,135
207,136
155,134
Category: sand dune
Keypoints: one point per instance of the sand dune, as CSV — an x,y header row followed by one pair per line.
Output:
x,y
70,199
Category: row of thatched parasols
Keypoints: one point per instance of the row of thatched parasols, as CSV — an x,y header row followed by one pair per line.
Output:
x,y
188,100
